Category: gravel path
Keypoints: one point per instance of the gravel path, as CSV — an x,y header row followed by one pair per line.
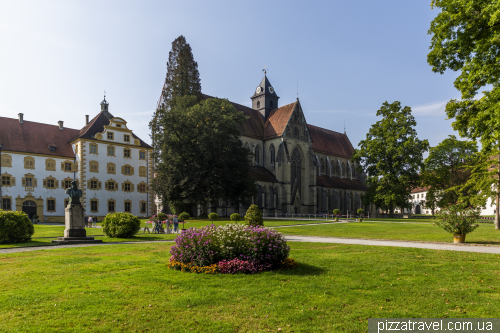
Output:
x,y
308,239
419,245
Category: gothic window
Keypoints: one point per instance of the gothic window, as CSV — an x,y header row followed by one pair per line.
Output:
x,y
258,104
296,132
257,155
342,170
333,171
296,173
273,157
353,172
322,167
327,167
271,104
287,131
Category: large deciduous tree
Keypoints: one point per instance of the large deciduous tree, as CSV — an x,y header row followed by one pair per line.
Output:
x,y
202,156
466,38
391,156
446,171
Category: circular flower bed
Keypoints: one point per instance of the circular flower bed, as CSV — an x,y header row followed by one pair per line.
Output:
x,y
229,249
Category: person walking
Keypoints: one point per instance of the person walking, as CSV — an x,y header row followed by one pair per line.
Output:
x,y
176,223
94,219
86,220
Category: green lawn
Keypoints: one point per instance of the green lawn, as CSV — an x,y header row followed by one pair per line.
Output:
x,y
485,234
128,288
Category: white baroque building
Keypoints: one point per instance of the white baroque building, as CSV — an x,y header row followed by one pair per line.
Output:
x,y
112,166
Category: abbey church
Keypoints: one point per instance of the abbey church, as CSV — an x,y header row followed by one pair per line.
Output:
x,y
299,168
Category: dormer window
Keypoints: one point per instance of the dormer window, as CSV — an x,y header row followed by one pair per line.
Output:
x,y
118,125
52,148
110,136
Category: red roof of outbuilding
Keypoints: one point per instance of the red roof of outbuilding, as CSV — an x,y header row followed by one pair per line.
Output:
x,y
330,142
420,189
31,137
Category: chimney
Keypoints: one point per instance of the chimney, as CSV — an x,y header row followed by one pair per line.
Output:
x,y
86,119
60,122
20,115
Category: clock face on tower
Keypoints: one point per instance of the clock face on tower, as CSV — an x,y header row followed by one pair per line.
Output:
x,y
271,90
259,89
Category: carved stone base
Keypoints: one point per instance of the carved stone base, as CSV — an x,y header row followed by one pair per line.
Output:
x,y
75,233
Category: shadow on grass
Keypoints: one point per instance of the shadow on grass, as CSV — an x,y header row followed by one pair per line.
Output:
x,y
139,238
481,242
303,270
26,244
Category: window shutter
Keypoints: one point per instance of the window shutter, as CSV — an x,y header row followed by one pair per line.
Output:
x,y
74,167
131,187
98,185
123,170
123,186
131,170
34,182
24,181
13,181
106,185
45,183
88,184
56,182
62,166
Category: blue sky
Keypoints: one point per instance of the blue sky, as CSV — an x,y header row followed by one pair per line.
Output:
x,y
348,57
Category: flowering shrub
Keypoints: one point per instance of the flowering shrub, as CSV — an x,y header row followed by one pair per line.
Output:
x,y
458,219
234,247
212,269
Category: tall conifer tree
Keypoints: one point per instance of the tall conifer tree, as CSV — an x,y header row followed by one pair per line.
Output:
x,y
183,79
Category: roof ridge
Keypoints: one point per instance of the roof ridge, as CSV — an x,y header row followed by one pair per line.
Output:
x,y
326,129
36,122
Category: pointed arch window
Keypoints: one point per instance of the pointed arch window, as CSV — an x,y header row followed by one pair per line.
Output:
x,y
257,155
258,104
273,158
322,167
296,173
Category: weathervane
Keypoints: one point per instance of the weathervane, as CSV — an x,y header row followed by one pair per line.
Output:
x,y
265,70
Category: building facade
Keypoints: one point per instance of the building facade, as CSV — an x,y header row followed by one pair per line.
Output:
x,y
112,166
299,168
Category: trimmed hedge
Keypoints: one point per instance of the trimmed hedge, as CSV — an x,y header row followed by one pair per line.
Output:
x,y
235,217
184,217
15,227
254,216
213,216
121,225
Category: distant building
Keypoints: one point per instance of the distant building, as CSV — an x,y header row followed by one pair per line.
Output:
x,y
38,162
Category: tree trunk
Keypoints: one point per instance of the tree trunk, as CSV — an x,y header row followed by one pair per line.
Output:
x,y
391,211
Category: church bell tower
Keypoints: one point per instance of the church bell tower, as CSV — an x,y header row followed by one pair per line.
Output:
x,y
264,99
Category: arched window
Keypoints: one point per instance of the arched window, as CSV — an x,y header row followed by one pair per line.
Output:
x,y
342,171
296,132
258,104
353,172
322,167
333,171
257,155
271,104
296,173
273,158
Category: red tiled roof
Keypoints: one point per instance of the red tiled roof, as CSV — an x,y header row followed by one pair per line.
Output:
x,y
420,189
277,121
254,126
330,142
342,183
31,137
260,173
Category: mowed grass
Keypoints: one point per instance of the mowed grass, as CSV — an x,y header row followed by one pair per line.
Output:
x,y
128,288
426,232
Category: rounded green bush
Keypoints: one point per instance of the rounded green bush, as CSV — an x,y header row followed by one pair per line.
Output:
x,y
184,216
361,211
254,216
161,216
121,225
336,212
15,227
213,216
235,217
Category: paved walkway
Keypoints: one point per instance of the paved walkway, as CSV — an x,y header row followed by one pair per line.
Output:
x,y
308,239
419,245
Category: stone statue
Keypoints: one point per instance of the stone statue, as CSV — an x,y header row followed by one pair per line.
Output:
x,y
74,194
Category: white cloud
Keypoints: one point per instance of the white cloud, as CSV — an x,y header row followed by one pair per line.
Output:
x,y
433,109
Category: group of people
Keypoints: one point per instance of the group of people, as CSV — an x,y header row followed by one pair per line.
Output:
x,y
166,226
90,221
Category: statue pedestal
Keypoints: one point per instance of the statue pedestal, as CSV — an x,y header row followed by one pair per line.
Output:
x,y
75,232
